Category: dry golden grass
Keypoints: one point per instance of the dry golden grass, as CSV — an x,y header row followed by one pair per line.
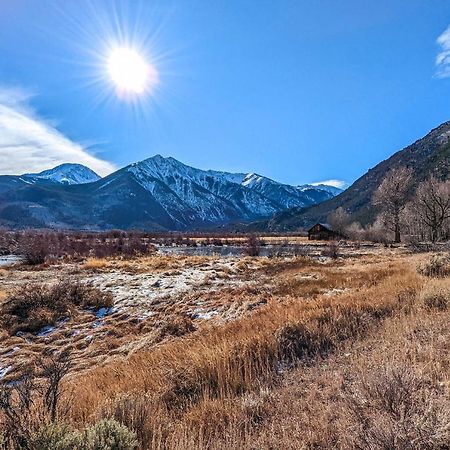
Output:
x,y
3,295
145,264
311,355
213,382
387,390
95,264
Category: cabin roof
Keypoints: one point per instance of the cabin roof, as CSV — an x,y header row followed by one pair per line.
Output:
x,y
323,225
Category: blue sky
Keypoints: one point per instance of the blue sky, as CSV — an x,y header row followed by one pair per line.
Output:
x,y
299,91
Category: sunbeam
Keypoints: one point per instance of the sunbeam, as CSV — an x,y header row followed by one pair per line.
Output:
x,y
118,54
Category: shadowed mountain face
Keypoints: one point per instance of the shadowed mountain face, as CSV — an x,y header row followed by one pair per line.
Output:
x,y
429,155
157,193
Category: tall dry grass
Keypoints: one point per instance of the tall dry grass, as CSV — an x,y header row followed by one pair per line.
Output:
x,y
210,388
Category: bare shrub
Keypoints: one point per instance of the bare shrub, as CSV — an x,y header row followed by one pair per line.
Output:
x,y
38,247
332,250
392,407
34,247
252,245
34,306
178,326
300,250
437,266
34,401
415,245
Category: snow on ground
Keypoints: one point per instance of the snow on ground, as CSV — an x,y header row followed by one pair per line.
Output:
x,y
138,293
4,371
145,299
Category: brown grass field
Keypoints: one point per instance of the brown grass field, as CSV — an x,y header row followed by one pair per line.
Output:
x,y
253,353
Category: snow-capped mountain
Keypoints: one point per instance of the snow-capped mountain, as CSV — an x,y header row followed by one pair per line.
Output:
x,y
157,193
333,190
67,174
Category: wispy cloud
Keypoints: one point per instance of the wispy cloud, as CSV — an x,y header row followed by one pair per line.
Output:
x,y
29,143
443,57
335,183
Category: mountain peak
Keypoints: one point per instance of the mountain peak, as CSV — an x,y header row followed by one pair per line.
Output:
x,y
156,193
251,179
67,173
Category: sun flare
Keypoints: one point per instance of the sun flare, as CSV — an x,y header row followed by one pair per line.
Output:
x,y
130,72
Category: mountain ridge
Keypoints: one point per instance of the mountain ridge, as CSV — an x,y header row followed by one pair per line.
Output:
x,y
156,193
429,155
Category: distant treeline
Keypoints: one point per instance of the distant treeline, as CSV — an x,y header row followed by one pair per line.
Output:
x,y
39,246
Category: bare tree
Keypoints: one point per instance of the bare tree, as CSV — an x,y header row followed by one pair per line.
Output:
x,y
339,219
432,204
391,197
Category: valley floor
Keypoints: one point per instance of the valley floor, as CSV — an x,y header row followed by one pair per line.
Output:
x,y
256,353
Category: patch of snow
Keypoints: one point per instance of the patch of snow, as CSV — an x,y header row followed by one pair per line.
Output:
x,y
14,350
4,371
102,312
335,291
207,315
9,260
46,331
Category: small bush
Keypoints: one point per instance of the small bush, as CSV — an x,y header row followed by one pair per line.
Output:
x,y
295,342
108,434
435,297
178,326
437,266
35,306
56,437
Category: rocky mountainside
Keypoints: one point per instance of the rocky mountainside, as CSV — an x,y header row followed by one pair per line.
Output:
x,y
157,193
429,155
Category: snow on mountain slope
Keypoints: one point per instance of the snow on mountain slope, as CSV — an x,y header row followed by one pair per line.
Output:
x,y
157,193
217,196
284,195
333,190
209,194
67,174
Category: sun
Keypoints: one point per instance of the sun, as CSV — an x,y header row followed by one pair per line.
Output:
x,y
130,72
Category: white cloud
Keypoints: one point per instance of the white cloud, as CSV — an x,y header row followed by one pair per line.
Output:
x,y
335,183
443,57
30,144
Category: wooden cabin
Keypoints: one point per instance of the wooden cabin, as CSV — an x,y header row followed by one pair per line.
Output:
x,y
322,232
